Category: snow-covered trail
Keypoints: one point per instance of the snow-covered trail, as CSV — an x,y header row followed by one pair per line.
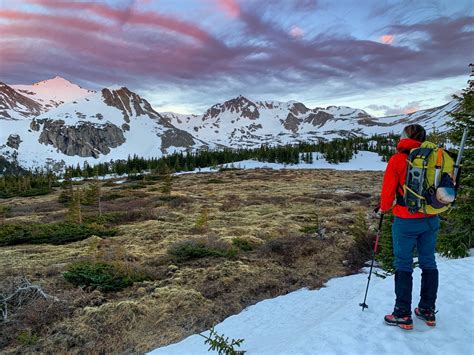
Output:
x,y
329,320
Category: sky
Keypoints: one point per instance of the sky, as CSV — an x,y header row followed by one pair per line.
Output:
x,y
385,57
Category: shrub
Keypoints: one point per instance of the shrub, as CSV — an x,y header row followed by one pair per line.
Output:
x,y
137,177
215,181
196,249
109,183
314,227
27,338
362,249
111,196
456,235
385,249
122,217
35,192
53,233
228,169
243,244
222,344
103,276
291,247
28,193
136,186
202,221
5,212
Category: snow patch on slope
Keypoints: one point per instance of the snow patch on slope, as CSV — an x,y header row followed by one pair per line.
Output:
x,y
329,320
363,161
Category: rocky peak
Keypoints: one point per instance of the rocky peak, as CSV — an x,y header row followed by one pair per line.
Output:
x,y
298,108
16,103
240,104
125,100
318,118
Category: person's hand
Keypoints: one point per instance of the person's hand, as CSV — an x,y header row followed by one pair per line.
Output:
x,y
377,212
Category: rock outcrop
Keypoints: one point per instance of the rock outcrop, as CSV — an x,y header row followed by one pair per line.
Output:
x,y
84,139
14,141
240,104
14,105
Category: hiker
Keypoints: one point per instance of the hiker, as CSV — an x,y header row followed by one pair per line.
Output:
x,y
409,230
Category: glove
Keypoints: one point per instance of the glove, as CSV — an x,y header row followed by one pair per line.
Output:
x,y
377,212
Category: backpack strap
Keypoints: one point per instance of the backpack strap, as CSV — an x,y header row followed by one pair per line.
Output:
x,y
399,192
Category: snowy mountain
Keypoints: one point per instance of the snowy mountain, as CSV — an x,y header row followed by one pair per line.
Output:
x,y
240,122
53,92
110,124
57,121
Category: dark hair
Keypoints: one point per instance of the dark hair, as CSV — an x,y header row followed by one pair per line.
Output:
x,y
415,131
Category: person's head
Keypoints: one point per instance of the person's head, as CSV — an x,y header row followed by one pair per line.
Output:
x,y
414,131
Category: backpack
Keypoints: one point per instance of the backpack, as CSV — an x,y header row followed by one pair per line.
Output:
x,y
429,186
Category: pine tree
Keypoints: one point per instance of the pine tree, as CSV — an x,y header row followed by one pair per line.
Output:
x,y
458,231
167,183
74,213
92,196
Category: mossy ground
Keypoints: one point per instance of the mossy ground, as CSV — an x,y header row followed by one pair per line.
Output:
x,y
267,208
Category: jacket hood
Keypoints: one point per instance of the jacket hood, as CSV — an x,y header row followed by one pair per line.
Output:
x,y
407,144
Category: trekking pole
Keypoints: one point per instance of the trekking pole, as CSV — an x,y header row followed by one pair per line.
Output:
x,y
457,165
363,304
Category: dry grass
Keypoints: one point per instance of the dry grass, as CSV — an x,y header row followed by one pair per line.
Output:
x,y
264,207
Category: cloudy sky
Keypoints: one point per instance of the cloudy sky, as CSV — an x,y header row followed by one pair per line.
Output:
x,y
184,55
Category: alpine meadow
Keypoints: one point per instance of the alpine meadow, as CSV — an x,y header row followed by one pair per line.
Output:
x,y
236,177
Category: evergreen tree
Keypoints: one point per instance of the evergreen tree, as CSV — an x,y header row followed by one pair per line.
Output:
x,y
74,213
457,235
92,196
385,248
167,183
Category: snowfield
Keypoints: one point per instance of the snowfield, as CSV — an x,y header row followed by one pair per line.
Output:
x,y
363,160
330,321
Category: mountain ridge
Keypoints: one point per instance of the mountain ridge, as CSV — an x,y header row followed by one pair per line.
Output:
x,y
115,122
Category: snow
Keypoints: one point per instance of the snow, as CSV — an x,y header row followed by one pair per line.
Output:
x,y
53,91
228,129
329,320
143,138
363,160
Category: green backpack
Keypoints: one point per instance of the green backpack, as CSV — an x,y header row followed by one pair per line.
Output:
x,y
429,185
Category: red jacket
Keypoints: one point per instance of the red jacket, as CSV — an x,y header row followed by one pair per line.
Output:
x,y
394,178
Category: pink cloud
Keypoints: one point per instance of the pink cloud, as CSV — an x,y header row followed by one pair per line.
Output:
x,y
230,7
411,109
130,16
387,39
296,32
66,21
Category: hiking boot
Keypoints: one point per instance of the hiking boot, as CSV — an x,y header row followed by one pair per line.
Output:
x,y
403,322
427,315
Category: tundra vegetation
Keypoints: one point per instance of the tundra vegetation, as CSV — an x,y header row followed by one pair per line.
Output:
x,y
103,266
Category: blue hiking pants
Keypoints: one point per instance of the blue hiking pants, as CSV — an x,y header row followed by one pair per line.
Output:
x,y
406,234
410,232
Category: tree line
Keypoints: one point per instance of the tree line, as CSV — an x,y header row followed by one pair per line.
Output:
x,y
335,151
37,182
